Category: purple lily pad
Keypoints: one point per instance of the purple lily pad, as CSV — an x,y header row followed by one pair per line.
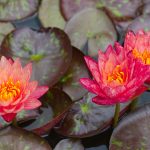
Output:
x,y
55,104
70,81
69,8
86,119
140,23
67,144
11,10
49,51
133,132
97,26
12,138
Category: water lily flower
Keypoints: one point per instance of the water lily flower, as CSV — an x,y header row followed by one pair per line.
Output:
x,y
116,77
17,92
138,45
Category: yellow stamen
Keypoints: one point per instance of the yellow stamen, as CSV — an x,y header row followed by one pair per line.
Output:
x,y
143,56
9,90
117,75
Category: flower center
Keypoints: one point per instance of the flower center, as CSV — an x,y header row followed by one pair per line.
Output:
x,y
9,90
117,75
144,56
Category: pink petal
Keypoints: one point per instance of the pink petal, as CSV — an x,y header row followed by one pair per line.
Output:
x,y
101,101
92,86
9,117
39,92
32,86
93,67
31,104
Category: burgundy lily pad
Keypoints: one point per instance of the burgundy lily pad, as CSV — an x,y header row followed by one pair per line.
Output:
x,y
82,29
50,15
86,119
11,10
140,23
49,51
55,104
121,10
5,28
69,8
69,144
70,81
12,138
133,132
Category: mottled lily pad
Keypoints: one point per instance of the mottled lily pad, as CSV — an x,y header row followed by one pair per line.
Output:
x,y
69,144
86,119
140,23
11,10
133,132
50,15
12,138
70,81
55,104
5,28
83,30
70,7
49,51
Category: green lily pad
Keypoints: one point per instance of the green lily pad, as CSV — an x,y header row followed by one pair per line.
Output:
x,y
49,51
133,131
86,118
12,138
55,104
49,14
11,10
69,144
70,81
84,30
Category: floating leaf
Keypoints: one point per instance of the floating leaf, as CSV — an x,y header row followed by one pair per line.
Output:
x,y
49,14
85,118
133,132
69,8
69,144
55,105
11,10
12,138
49,51
70,81
82,29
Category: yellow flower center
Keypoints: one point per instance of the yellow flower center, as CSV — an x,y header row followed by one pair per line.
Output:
x,y
144,56
117,75
9,90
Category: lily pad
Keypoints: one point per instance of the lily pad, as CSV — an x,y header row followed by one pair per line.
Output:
x,y
69,144
69,8
12,138
11,10
86,119
83,30
55,104
140,23
5,28
70,81
50,15
49,51
133,132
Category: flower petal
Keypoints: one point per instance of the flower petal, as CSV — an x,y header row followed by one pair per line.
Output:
x,y
9,117
31,104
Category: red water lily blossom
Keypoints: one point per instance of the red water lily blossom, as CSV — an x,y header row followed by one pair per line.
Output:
x,y
116,77
138,45
16,91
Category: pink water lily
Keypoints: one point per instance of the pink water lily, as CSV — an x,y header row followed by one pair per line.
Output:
x,y
116,77
138,45
17,92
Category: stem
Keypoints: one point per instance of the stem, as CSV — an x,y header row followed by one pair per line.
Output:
x,y
133,104
116,116
14,122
